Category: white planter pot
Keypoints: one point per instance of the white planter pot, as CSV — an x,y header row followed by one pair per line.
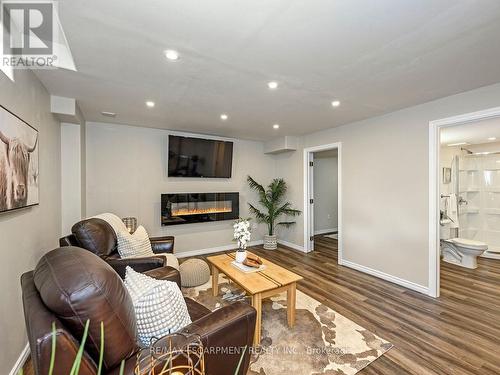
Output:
x,y
270,242
240,256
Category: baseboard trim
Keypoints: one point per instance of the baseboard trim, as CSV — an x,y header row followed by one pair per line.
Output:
x,y
385,276
21,360
210,250
323,231
292,245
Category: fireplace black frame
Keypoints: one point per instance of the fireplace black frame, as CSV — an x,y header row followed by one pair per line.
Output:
x,y
168,218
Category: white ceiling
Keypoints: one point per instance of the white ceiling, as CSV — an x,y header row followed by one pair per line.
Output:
x,y
472,133
374,56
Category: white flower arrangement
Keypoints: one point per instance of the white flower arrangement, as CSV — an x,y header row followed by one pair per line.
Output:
x,y
242,233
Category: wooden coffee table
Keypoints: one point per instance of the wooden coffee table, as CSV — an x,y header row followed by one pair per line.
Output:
x,y
259,285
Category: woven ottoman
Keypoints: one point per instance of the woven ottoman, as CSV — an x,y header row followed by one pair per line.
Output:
x,y
194,272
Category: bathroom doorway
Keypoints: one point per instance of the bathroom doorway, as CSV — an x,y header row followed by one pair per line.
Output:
x,y
464,193
323,197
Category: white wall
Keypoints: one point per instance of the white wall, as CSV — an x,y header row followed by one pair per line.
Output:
x,y
83,167
385,183
325,192
26,234
126,174
71,176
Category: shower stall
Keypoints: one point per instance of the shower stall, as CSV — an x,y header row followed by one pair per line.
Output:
x,y
478,187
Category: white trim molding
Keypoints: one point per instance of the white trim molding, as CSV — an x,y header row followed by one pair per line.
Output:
x,y
434,197
211,250
23,357
385,276
308,231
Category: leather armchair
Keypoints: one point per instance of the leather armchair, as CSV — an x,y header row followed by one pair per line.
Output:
x,y
97,236
70,286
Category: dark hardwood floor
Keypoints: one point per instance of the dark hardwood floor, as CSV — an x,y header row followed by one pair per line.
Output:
x,y
458,333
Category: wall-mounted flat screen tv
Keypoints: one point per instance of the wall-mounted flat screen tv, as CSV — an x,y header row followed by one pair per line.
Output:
x,y
198,157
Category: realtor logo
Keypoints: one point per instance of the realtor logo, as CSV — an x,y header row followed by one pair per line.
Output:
x,y
28,28
32,37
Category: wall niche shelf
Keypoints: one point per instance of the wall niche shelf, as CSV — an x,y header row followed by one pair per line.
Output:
x,y
470,210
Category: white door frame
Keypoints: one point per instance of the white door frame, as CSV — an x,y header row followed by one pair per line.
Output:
x,y
308,231
434,186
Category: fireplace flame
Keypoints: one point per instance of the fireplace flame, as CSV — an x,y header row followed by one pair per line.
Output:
x,y
198,211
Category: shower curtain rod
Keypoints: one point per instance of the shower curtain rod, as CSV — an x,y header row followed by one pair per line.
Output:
x,y
480,153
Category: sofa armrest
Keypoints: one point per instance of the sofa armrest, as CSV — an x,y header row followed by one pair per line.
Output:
x,y
163,244
165,273
39,322
138,264
225,333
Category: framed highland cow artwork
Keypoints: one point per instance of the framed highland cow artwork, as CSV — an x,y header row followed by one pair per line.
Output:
x,y
18,162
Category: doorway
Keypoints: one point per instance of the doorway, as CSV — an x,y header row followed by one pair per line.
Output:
x,y
436,175
323,209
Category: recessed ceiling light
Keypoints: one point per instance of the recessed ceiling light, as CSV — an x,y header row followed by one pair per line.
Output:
x,y
272,85
276,126
492,138
458,144
335,103
172,55
150,104
224,117
108,114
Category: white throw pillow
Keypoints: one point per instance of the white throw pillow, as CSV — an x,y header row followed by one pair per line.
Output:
x,y
134,245
160,308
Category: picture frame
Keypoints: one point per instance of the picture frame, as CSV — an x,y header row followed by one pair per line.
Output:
x,y
446,175
19,163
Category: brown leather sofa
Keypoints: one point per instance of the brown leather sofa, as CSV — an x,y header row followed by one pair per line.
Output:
x,y
70,286
97,236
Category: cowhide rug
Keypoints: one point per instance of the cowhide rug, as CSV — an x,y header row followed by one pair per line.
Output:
x,y
322,341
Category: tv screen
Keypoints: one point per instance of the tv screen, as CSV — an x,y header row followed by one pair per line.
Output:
x,y
197,157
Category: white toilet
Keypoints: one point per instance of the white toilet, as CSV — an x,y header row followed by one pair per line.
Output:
x,y
462,252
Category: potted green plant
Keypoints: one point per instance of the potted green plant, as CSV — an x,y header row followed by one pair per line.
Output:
x,y
272,201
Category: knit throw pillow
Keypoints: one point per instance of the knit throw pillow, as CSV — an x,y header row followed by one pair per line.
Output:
x,y
160,308
134,245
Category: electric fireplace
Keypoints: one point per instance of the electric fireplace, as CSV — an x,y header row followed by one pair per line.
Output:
x,y
186,208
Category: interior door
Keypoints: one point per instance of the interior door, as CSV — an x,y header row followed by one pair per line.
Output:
x,y
311,201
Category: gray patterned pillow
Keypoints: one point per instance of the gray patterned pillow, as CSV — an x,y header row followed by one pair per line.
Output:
x,y
160,308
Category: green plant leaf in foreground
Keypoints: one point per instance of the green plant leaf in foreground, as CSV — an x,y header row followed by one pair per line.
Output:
x,y
76,365
53,350
122,367
101,350
241,360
